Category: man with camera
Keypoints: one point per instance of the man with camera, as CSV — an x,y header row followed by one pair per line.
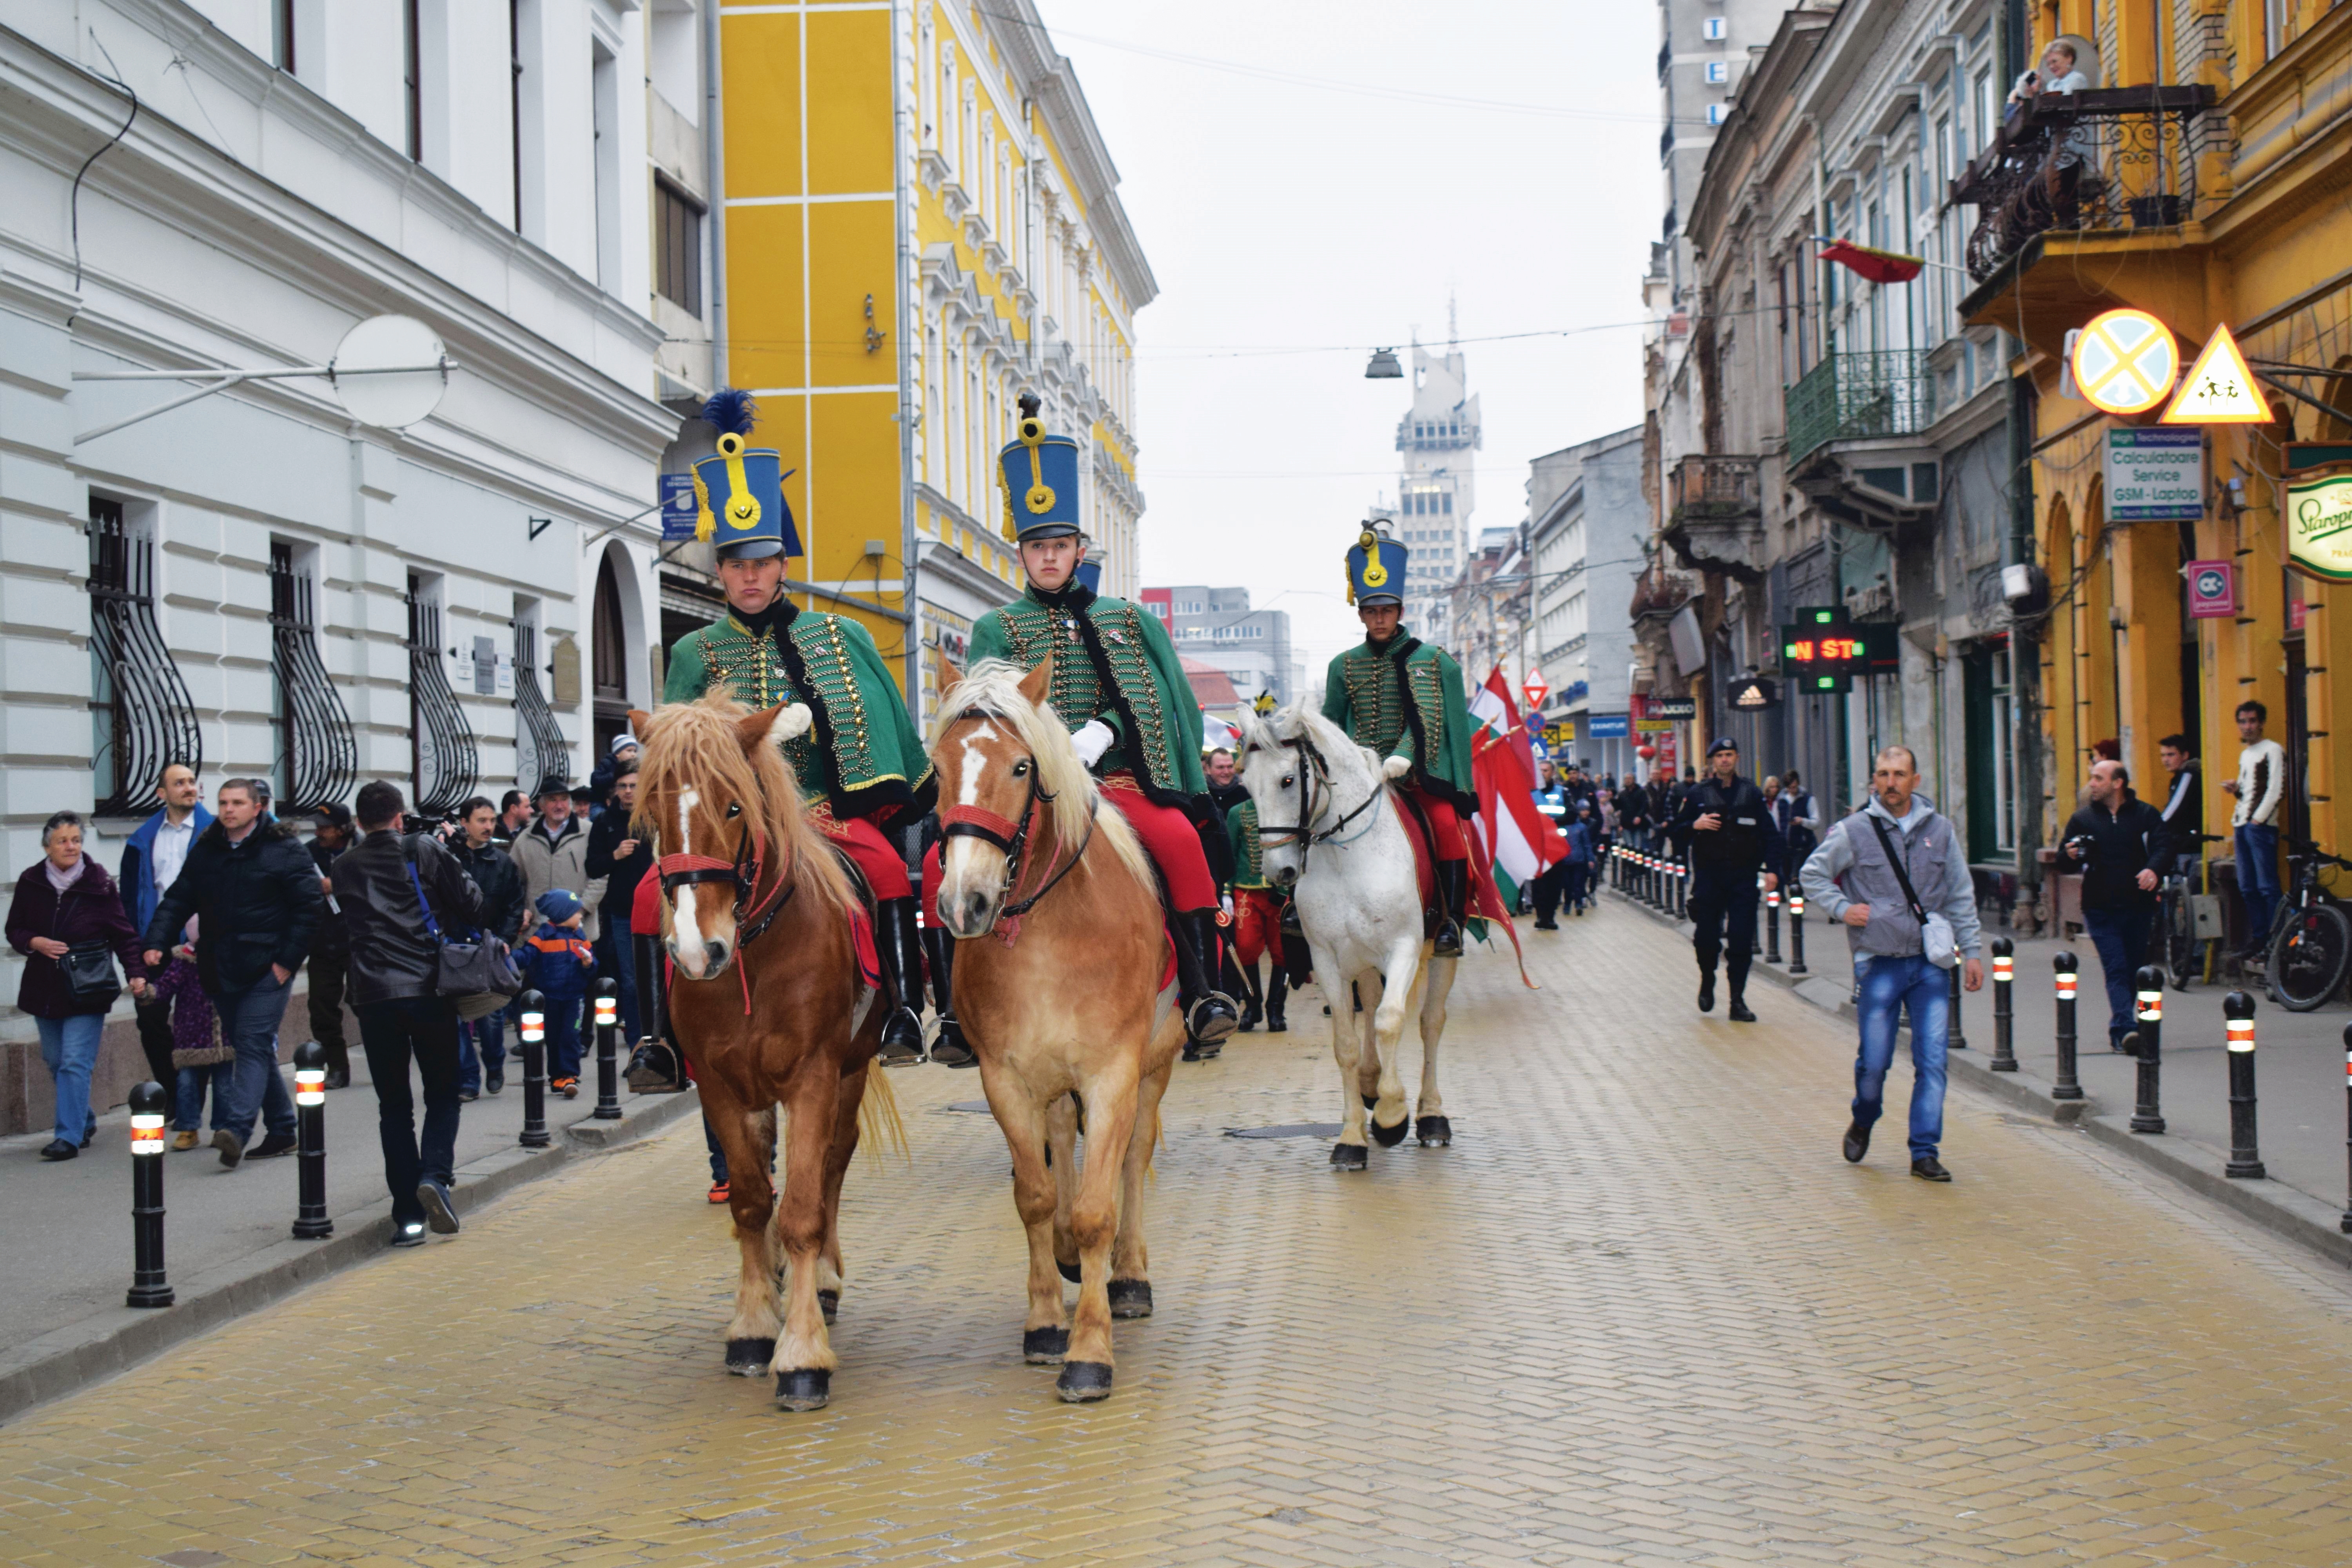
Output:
x,y
2123,849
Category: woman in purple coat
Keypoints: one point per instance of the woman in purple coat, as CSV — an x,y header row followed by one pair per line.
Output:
x,y
63,902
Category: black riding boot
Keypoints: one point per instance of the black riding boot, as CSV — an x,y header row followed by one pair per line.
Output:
x,y
1209,1015
1277,987
949,1048
1707,956
902,1031
1453,892
1735,963
1253,998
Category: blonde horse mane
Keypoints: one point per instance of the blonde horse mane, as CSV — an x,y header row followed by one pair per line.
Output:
x,y
697,745
993,687
1270,734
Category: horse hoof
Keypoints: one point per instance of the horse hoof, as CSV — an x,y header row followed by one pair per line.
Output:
x,y
1349,1156
1131,1298
807,1389
828,1302
1370,1099
749,1358
1084,1382
1069,1270
1435,1132
1044,1347
1390,1137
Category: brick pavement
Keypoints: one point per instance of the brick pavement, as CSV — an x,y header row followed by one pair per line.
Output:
x,y
1640,1313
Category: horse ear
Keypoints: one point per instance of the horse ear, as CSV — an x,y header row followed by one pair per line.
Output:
x,y
772,726
638,720
1039,682
954,675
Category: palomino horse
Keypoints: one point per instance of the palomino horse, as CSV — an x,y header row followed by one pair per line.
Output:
x,y
772,1007
1330,834
1060,961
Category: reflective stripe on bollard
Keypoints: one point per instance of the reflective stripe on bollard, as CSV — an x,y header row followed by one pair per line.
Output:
x,y
311,1221
1796,931
532,1027
1773,924
2148,1113
2066,1086
2004,1025
147,1286
2245,1155
608,1050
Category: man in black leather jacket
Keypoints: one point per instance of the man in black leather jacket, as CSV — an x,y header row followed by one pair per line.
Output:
x,y
1731,836
482,1044
402,1017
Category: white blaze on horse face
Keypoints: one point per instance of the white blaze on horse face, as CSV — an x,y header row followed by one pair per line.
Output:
x,y
957,870
686,932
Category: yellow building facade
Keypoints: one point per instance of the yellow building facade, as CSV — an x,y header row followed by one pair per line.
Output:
x,y
2201,177
920,225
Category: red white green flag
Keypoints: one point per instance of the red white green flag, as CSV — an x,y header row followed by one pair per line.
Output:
x,y
1520,840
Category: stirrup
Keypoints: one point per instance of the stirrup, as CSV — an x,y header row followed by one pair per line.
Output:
x,y
1448,941
1202,1025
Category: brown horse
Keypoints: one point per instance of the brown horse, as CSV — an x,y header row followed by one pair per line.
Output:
x,y
1059,967
771,1006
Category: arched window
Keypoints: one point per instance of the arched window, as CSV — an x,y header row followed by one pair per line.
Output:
x,y
609,658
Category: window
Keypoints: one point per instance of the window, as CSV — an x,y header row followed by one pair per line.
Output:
x,y
1719,72
141,716
281,34
677,247
316,758
412,78
2274,19
604,99
1714,29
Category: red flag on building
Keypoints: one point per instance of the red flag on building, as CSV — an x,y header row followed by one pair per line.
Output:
x,y
1878,266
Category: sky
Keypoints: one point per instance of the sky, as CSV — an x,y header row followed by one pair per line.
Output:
x,y
1502,153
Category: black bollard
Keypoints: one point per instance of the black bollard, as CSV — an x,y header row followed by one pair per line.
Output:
x,y
1796,931
1956,1041
1771,925
608,1050
147,1286
2148,1113
311,1221
2004,974
2345,1224
2245,1154
2066,1086
530,1010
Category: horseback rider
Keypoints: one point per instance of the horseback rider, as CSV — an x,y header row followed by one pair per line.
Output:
x,y
1402,697
1120,689
1257,904
861,767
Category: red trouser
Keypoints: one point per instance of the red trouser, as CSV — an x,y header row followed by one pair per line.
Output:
x,y
1168,836
1257,925
1443,823
885,868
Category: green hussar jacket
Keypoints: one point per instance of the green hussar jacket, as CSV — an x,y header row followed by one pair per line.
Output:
x,y
1112,661
861,755
1405,700
1249,856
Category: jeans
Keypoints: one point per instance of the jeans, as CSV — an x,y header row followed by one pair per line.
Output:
x,y
481,1044
248,1022
1888,985
69,1050
2121,935
423,1029
188,1095
2258,882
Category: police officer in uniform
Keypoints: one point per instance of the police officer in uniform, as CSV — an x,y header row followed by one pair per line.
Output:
x,y
1731,835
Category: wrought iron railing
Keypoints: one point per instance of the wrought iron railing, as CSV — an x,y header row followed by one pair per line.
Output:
x,y
1713,484
1855,396
321,755
2115,159
141,714
448,765
539,749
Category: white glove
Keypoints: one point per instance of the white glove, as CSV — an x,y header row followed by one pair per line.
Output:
x,y
1396,767
1093,740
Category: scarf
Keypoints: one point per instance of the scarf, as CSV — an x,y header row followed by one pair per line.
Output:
x,y
61,880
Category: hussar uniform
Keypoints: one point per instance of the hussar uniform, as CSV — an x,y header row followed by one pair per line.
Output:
x,y
1404,700
860,764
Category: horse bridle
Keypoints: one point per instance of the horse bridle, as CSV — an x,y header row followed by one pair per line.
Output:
x,y
1314,771
1012,838
678,871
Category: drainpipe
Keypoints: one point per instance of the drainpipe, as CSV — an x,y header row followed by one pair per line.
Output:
x,y
912,628
714,164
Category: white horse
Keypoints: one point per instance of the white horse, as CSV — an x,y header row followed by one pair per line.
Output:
x,y
1330,835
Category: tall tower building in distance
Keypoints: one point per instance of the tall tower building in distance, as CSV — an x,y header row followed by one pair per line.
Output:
x,y
1436,489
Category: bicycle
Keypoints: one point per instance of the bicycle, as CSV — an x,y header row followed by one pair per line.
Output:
x,y
2186,956
2311,939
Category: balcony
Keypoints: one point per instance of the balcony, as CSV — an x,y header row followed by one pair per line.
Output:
x,y
1715,514
2112,161
1859,397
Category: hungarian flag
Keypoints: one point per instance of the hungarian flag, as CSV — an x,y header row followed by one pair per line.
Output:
x,y
1520,840
1878,266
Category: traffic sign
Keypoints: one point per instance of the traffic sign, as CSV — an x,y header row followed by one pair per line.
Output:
x,y
2125,362
2212,590
2220,388
1536,688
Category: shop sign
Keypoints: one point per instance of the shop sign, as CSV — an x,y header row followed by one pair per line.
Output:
x,y
1605,726
2155,475
1752,694
2212,590
2319,517
1673,708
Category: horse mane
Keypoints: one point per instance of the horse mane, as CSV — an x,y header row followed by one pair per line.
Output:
x,y
1289,723
993,686
694,745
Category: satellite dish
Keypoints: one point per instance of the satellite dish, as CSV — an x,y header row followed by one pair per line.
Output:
x,y
390,370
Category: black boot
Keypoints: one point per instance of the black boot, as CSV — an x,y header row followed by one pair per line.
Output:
x,y
339,1064
1209,1015
1735,974
1453,892
1253,999
902,1031
949,1048
1706,980
1277,987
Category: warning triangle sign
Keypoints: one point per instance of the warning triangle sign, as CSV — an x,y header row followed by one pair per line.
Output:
x,y
2220,388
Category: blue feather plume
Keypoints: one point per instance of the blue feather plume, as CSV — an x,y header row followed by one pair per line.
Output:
x,y
731,411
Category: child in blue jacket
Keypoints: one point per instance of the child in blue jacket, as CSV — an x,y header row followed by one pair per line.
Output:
x,y
557,963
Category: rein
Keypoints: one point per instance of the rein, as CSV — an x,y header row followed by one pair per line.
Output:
x,y
1012,838
1313,771
678,871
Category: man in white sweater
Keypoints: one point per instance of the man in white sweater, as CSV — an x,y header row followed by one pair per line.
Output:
x,y
2260,787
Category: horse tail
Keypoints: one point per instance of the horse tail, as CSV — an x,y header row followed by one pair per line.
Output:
x,y
878,1121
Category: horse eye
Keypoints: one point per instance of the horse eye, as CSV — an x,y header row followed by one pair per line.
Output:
x,y
734,808
1021,769
1288,778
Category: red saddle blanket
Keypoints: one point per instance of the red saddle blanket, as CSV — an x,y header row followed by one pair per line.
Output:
x,y
1486,899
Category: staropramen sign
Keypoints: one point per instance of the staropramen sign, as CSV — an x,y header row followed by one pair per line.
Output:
x,y
2318,511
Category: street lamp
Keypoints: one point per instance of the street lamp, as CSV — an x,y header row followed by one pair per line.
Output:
x,y
1384,366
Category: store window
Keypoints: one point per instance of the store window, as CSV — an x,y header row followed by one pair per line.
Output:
x,y
1992,721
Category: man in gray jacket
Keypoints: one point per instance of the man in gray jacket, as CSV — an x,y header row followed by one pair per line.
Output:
x,y
1853,876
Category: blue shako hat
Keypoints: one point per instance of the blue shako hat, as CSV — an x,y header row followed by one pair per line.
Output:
x,y
1375,569
1090,570
1039,476
738,494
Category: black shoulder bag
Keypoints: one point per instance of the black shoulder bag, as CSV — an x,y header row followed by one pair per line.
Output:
x,y
479,976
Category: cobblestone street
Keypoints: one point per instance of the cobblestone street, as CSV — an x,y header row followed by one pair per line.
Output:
x,y
1641,1313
